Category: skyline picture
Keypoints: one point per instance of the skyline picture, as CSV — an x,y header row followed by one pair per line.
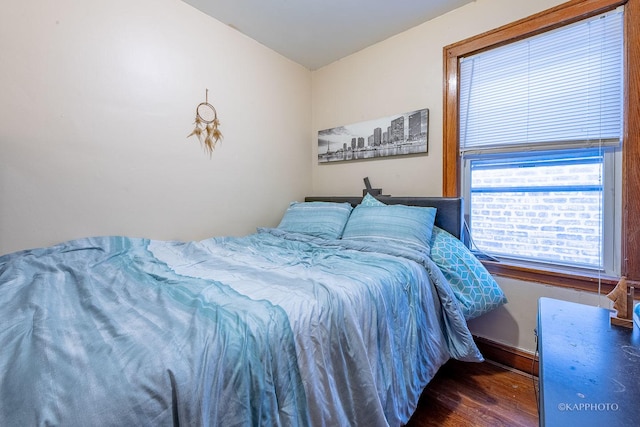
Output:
x,y
400,134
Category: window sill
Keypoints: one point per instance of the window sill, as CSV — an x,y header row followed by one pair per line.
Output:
x,y
558,278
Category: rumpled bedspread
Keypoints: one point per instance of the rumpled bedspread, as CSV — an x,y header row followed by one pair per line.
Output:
x,y
269,329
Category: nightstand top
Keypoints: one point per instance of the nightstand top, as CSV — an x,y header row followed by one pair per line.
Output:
x,y
589,369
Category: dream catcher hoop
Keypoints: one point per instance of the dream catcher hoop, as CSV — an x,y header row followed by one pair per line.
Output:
x,y
207,125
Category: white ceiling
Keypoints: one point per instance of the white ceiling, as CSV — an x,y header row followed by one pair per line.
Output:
x,y
315,33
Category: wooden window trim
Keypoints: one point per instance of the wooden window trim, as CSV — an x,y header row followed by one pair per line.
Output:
x,y
566,13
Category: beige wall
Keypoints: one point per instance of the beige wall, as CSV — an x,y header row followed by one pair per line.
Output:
x,y
96,101
402,74
514,323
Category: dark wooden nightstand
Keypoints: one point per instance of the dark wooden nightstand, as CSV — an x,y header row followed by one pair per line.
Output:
x,y
589,370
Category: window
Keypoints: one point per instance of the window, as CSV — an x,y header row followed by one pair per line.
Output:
x,y
544,207
530,114
505,159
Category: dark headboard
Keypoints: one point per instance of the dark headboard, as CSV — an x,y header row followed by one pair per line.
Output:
x,y
449,215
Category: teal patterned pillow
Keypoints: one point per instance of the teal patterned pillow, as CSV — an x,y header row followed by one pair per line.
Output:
x,y
406,225
369,200
475,288
320,219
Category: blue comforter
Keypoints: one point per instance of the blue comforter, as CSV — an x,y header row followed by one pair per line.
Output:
x,y
273,328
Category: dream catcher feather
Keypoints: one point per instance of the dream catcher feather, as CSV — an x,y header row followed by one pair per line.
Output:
x,y
207,125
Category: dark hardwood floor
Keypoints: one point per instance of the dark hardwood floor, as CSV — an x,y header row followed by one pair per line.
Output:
x,y
477,394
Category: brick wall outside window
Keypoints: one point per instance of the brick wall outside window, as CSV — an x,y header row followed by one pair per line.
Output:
x,y
552,226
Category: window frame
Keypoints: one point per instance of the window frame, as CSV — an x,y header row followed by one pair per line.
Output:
x,y
564,14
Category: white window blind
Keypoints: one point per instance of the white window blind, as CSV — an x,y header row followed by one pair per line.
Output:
x,y
559,89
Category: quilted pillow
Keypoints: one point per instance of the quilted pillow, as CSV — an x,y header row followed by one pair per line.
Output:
x,y
405,225
320,219
475,288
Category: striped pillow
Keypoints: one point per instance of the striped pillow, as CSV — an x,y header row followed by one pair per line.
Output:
x,y
320,219
406,225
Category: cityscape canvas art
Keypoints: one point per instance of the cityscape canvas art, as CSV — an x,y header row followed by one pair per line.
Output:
x,y
397,135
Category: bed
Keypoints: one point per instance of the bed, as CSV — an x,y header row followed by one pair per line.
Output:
x,y
340,315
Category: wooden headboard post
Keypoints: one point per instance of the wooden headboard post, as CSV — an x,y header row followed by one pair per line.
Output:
x,y
449,215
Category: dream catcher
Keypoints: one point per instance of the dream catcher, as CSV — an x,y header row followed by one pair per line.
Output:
x,y
207,125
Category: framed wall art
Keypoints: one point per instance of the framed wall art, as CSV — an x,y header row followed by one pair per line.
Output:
x,y
401,134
